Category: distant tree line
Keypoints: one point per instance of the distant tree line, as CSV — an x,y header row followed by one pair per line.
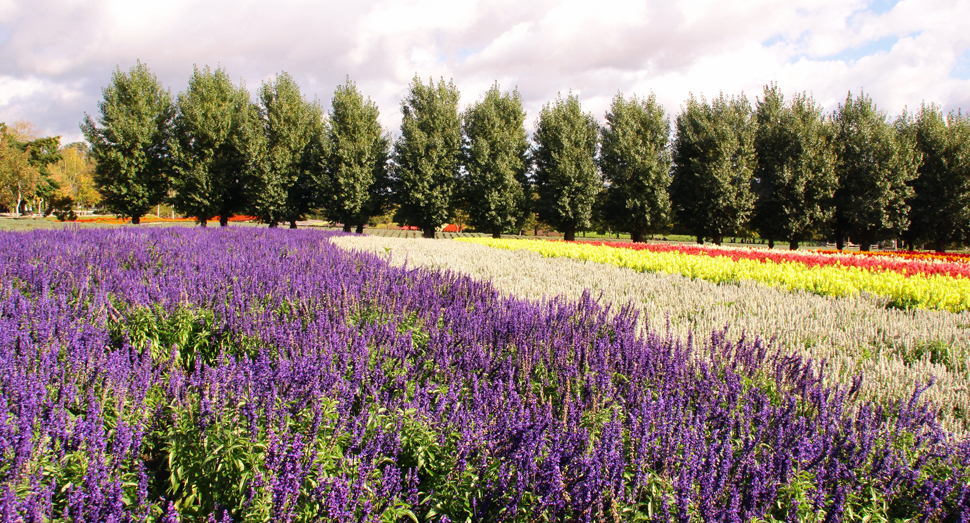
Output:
x,y
781,169
25,161
38,175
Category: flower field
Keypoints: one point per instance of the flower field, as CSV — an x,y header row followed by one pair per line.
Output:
x,y
955,265
913,255
268,375
823,274
895,349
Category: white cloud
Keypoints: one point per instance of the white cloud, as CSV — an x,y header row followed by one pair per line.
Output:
x,y
41,102
55,55
15,88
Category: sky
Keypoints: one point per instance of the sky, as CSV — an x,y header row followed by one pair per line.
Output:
x,y
57,55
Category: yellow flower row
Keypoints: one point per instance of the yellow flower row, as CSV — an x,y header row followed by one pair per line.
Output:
x,y
931,292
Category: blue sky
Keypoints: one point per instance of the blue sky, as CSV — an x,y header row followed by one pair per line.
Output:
x,y
56,55
851,54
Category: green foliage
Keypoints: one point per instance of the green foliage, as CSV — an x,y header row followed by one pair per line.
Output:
x,y
795,177
73,172
185,335
427,155
18,176
288,157
714,161
63,208
940,207
209,160
636,162
129,142
496,154
566,178
936,352
25,161
205,460
355,174
874,164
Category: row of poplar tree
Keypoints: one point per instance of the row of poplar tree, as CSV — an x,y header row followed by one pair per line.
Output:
x,y
782,169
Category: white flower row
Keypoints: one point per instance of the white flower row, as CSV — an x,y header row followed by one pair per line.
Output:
x,y
894,349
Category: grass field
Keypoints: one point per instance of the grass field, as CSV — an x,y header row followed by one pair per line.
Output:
x,y
33,223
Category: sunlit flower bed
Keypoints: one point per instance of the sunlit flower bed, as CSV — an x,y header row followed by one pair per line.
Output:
x,y
266,375
914,255
904,290
895,349
908,264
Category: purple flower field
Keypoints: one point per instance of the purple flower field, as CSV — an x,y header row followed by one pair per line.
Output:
x,y
265,375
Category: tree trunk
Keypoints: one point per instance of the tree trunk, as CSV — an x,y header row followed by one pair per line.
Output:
x,y
771,243
203,222
717,240
497,234
20,198
793,245
864,244
135,220
839,236
940,245
347,226
360,228
223,220
637,236
429,232
569,234
273,225
700,240
292,224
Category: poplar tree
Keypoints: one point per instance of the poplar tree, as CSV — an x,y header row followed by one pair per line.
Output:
x,y
427,155
567,179
795,176
940,206
874,165
714,162
207,148
355,173
290,154
129,142
496,154
635,158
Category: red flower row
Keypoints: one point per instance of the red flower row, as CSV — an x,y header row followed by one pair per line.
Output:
x,y
904,265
